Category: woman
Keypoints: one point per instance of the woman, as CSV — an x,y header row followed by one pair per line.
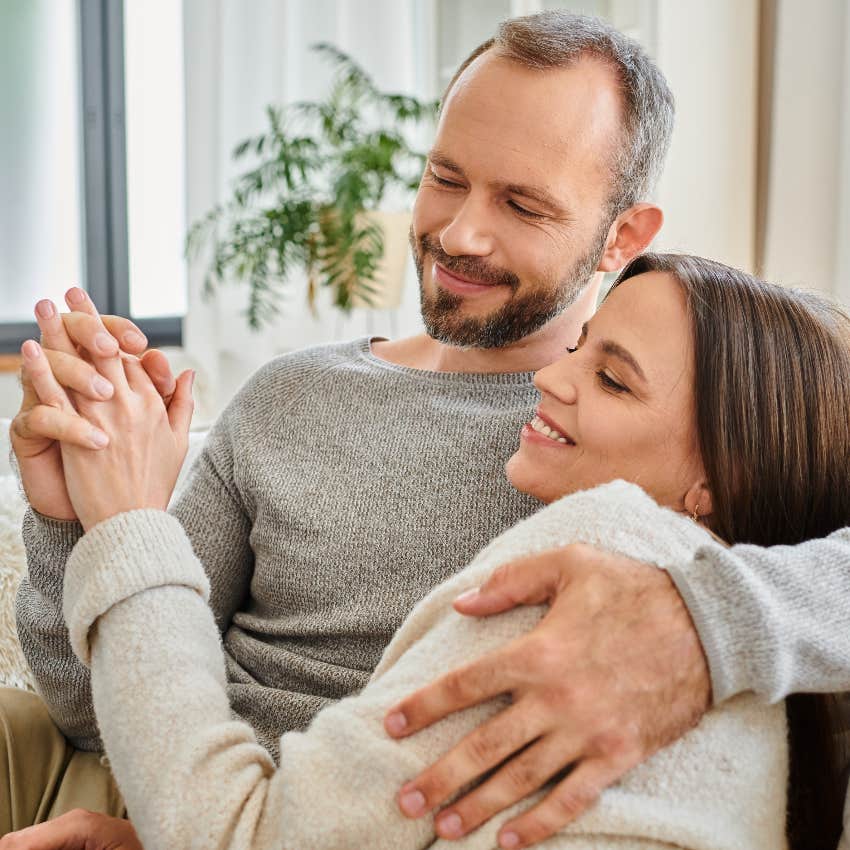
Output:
x,y
717,394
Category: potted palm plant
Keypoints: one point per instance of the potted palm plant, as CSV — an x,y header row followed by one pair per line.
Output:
x,y
311,199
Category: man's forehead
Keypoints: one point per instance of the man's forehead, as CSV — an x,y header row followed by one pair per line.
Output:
x,y
540,116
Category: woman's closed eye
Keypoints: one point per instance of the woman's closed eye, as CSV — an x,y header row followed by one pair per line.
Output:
x,y
610,384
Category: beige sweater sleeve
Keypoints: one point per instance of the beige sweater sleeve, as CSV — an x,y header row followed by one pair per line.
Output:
x,y
194,777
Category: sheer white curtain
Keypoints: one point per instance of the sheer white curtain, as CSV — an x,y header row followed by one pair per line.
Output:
x,y
239,58
808,192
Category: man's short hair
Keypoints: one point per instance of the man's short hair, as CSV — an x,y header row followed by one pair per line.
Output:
x,y
558,39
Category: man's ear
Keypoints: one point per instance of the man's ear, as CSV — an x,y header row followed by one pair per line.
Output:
x,y
698,501
629,235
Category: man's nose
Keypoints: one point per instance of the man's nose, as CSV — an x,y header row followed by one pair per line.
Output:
x,y
470,231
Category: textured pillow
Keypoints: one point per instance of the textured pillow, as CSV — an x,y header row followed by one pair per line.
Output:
x,y
13,667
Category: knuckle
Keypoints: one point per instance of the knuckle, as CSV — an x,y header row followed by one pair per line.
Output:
x,y
546,655
569,802
455,687
531,827
499,576
520,775
611,744
39,419
433,786
481,749
83,818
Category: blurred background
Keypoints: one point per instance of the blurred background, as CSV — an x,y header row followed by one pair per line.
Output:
x,y
120,120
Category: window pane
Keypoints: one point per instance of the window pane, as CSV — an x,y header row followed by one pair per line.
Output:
x,y
41,251
156,217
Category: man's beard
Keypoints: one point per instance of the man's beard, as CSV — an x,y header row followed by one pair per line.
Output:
x,y
521,316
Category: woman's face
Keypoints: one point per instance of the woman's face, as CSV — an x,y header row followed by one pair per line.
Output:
x,y
622,403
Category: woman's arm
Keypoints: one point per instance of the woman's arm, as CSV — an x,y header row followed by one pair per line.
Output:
x,y
218,527
194,777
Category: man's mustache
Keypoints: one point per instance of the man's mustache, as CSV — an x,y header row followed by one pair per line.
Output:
x,y
471,267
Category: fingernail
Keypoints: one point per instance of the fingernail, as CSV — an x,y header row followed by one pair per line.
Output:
x,y
133,338
509,840
31,349
45,309
450,826
75,295
101,386
105,343
395,723
412,803
468,595
98,438
192,383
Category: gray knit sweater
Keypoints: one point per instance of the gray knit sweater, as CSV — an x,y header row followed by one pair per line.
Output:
x,y
337,489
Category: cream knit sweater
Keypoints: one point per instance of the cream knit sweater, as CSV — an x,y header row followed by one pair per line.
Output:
x,y
193,777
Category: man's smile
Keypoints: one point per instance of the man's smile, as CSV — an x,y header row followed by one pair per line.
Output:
x,y
460,284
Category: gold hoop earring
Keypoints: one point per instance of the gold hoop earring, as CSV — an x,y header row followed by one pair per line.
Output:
x,y
695,514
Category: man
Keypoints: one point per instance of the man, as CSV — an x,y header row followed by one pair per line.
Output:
x,y
343,482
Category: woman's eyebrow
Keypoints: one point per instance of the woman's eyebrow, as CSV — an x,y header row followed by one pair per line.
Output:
x,y
616,350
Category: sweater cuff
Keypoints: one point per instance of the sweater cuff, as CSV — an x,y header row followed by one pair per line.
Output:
x,y
120,557
48,542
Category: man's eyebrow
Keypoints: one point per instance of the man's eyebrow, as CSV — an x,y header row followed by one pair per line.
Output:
x,y
444,161
534,193
617,350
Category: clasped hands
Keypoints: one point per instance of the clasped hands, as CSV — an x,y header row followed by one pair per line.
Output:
x,y
613,672
100,431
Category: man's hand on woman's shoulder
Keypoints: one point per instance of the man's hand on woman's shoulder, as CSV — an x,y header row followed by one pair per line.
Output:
x,y
613,672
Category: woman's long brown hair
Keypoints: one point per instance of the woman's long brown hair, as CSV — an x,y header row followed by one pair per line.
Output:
x,y
772,398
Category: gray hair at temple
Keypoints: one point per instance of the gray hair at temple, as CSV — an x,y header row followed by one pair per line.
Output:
x,y
558,39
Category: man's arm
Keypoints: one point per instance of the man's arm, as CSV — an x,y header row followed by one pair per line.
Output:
x,y
773,621
613,673
619,669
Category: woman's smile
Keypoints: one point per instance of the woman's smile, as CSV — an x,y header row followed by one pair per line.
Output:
x,y
546,432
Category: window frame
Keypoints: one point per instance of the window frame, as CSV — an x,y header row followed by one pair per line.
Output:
x,y
104,178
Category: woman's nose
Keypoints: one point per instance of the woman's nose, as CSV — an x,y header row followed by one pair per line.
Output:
x,y
557,380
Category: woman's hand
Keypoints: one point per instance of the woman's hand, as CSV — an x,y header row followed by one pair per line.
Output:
x,y
146,441
69,340
147,444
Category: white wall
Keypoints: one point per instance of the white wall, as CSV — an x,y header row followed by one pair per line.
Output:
x,y
708,52
842,222
806,161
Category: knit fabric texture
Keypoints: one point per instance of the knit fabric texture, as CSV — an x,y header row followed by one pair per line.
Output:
x,y
192,777
332,494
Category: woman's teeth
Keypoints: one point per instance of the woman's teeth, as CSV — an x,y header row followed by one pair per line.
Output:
x,y
542,428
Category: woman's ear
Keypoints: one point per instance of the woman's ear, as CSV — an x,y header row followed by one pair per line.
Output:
x,y
629,235
698,502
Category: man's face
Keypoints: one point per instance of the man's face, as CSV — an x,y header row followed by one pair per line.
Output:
x,y
511,215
